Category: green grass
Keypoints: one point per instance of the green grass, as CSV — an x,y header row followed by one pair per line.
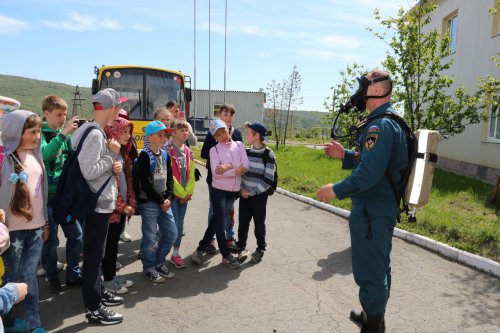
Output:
x,y
458,212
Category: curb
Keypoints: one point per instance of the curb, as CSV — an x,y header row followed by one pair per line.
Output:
x,y
483,264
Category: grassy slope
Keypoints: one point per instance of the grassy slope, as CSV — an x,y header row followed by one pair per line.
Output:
x,y
31,92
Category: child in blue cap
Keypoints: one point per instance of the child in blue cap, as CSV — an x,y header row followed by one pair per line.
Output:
x,y
154,194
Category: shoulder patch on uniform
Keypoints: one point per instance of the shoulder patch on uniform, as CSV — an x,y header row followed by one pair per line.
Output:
x,y
373,129
371,141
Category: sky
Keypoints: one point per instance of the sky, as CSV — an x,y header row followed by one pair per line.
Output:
x,y
62,40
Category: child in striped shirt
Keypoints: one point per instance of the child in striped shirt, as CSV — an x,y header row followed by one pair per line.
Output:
x,y
255,184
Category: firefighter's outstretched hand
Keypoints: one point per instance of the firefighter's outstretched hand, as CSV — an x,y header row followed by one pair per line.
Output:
x,y
334,149
325,193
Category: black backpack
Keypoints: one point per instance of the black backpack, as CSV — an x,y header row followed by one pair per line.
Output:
x,y
413,154
265,159
74,199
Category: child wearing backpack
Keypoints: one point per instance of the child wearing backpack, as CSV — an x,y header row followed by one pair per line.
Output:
x,y
254,190
154,185
23,197
121,130
98,165
56,144
183,171
228,161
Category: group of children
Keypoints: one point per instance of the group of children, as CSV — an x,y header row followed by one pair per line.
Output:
x,y
158,184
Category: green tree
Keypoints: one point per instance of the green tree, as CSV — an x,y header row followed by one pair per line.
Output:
x,y
417,59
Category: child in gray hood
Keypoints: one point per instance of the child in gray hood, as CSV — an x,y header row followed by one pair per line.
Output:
x,y
23,196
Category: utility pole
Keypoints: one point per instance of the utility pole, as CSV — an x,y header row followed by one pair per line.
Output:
x,y
77,103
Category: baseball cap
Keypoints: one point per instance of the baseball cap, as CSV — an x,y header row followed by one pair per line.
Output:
x,y
107,98
215,125
259,128
8,104
154,127
123,114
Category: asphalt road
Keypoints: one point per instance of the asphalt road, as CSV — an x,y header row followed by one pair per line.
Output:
x,y
303,284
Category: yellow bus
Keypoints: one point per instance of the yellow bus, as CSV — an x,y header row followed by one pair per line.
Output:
x,y
147,89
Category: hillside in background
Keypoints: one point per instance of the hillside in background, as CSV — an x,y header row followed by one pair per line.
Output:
x,y
304,119
31,92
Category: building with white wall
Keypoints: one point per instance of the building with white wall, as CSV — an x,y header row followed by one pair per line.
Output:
x,y
475,37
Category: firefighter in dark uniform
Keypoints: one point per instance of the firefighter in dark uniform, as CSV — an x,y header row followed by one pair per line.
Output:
x,y
380,150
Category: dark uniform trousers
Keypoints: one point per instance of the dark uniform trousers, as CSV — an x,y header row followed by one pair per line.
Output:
x,y
371,225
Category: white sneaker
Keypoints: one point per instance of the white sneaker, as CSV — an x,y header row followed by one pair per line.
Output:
x,y
125,237
123,281
114,287
40,272
60,265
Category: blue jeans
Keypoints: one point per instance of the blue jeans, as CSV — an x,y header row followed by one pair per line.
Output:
x,y
228,227
179,212
21,263
152,216
73,233
222,203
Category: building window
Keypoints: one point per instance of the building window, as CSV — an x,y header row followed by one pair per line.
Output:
x,y
494,119
216,111
495,28
450,28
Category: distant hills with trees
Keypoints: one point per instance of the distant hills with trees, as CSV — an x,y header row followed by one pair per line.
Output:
x,y
30,93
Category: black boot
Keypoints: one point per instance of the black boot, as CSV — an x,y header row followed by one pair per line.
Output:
x,y
358,317
374,324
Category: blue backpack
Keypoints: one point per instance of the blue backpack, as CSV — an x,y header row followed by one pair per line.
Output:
x,y
74,199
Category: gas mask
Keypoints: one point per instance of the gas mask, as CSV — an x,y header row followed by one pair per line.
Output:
x,y
358,101
358,96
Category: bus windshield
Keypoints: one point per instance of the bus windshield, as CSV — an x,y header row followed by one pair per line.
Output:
x,y
146,89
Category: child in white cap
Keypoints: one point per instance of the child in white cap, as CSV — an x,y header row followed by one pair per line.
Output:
x,y
228,161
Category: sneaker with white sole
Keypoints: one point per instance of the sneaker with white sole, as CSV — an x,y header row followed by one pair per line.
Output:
x,y
154,276
164,271
110,299
123,281
118,266
125,237
230,262
242,255
103,316
178,261
115,287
